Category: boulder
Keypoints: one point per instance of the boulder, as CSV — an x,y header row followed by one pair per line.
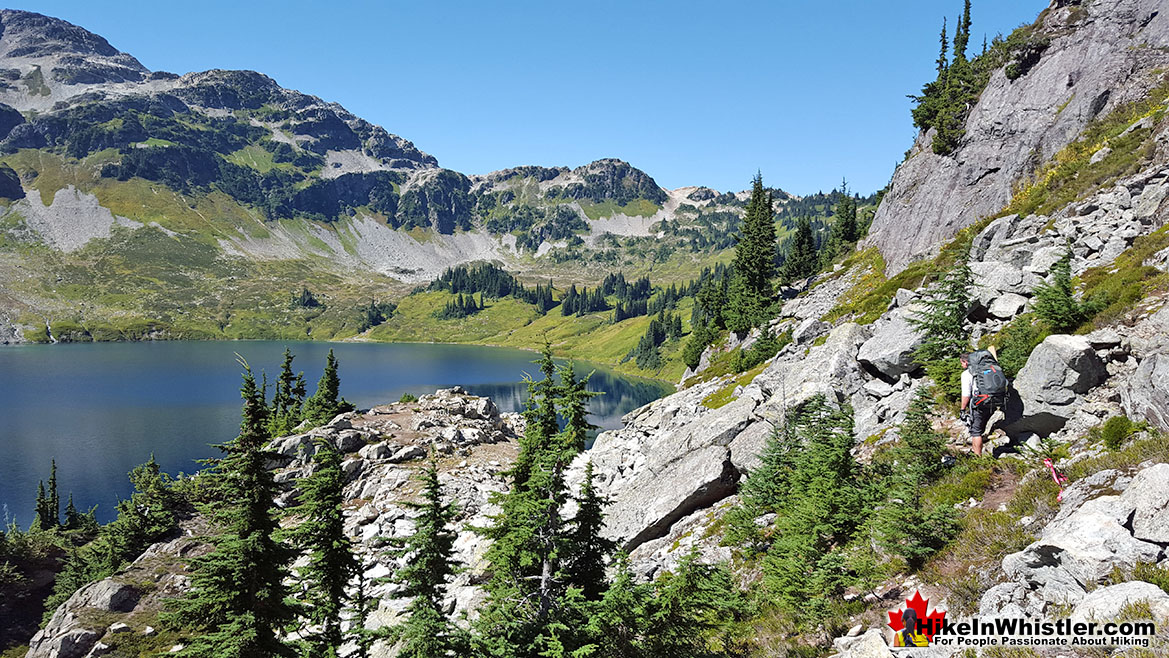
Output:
x,y
376,451
72,644
1044,258
870,645
809,330
406,453
748,445
647,507
349,440
1059,369
1007,306
1107,603
1148,495
1145,396
106,595
890,350
830,370
994,277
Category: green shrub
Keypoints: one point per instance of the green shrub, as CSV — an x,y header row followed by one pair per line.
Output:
x,y
1115,430
1015,343
408,397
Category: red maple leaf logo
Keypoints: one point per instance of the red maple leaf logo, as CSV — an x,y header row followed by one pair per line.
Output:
x,y
930,623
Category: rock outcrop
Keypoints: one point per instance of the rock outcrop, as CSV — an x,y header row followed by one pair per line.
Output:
x,y
1089,537
1100,55
1059,369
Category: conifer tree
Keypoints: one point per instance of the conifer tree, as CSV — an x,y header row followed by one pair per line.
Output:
x,y
616,626
325,404
945,327
287,399
1055,301
331,563
528,596
53,500
801,259
691,604
586,550
41,511
846,215
426,632
238,600
744,309
801,566
73,518
903,525
755,252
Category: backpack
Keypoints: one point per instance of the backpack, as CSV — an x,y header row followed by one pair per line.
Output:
x,y
988,376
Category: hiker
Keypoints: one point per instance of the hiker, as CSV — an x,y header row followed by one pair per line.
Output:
x,y
984,389
910,635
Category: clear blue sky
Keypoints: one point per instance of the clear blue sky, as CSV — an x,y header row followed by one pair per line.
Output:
x,y
694,93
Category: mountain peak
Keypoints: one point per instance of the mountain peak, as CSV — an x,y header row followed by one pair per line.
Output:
x,y
45,52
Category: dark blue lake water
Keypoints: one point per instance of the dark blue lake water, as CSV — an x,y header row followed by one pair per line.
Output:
x,y
100,409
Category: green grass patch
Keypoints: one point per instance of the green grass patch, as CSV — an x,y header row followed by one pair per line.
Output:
x,y
635,208
1123,284
257,157
724,395
868,298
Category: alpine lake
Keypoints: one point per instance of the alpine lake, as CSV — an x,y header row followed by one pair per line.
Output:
x,y
99,409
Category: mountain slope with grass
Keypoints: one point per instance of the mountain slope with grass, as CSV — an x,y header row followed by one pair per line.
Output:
x,y
138,204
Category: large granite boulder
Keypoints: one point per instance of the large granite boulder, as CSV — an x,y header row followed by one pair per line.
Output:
x,y
890,350
1146,394
1059,369
1107,603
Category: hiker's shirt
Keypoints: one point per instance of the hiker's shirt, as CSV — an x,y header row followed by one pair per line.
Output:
x,y
915,640
968,388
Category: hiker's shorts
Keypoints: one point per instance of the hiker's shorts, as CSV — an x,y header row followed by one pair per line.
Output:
x,y
979,415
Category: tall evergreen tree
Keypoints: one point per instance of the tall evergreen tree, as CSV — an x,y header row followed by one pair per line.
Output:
x,y
801,259
426,632
586,550
325,404
331,563
846,215
53,499
755,252
744,310
945,325
287,399
41,510
903,524
238,600
527,592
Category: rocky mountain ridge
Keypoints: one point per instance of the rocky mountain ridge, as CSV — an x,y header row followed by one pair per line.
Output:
x,y
1096,57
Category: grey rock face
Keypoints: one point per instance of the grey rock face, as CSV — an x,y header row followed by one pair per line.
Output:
x,y
1106,603
1146,395
890,350
1149,496
1018,125
1059,368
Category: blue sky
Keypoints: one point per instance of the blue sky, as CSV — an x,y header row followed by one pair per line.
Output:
x,y
694,93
